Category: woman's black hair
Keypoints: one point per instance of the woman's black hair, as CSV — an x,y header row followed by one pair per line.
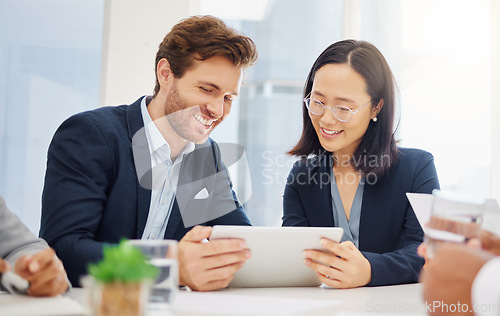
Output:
x,y
377,152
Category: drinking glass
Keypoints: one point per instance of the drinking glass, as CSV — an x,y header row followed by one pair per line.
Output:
x,y
454,219
161,253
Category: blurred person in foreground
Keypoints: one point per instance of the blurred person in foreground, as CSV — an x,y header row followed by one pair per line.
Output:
x,y
463,278
29,257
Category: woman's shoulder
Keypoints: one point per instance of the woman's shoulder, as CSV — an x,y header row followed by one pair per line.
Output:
x,y
414,154
413,159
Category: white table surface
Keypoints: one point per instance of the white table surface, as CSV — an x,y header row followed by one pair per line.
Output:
x,y
310,301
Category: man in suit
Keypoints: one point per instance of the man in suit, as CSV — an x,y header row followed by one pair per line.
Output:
x,y
31,258
149,170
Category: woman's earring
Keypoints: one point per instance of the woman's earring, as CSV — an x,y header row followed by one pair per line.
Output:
x,y
375,119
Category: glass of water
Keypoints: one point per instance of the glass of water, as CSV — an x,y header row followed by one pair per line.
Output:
x,y
161,253
454,219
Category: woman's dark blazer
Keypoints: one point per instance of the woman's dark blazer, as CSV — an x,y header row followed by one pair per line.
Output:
x,y
389,232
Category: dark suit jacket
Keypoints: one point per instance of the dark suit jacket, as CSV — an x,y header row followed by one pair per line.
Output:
x,y
389,232
98,181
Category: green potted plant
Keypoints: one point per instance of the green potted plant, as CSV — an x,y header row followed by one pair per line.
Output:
x,y
120,283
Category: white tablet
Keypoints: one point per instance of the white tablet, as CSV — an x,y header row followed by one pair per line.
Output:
x,y
277,254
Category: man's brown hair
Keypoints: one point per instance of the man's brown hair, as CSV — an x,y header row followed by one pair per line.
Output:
x,y
202,37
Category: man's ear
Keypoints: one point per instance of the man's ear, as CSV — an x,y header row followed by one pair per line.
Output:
x,y
376,110
163,72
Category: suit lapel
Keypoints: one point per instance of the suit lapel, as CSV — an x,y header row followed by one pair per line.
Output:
x,y
368,218
325,192
173,221
320,194
190,179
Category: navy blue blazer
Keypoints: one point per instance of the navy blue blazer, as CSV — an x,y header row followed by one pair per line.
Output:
x,y
94,194
389,232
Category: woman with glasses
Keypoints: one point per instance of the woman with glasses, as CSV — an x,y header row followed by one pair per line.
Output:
x,y
351,174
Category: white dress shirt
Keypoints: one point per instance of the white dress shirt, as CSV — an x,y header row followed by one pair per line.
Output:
x,y
165,177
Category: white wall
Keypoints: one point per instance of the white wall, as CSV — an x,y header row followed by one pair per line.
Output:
x,y
495,98
133,29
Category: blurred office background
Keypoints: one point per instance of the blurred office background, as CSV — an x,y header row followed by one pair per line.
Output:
x,y
60,57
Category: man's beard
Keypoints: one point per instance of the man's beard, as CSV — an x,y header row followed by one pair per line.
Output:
x,y
179,114
174,102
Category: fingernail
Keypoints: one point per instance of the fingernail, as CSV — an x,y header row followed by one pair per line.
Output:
x,y
324,242
308,263
248,254
243,244
307,254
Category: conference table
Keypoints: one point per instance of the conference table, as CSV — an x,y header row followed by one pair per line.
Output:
x,y
397,299
310,301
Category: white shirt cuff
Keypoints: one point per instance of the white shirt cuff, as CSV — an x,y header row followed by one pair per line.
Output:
x,y
486,289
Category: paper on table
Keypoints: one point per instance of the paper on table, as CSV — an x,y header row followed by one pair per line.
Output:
x,y
421,204
491,218
14,305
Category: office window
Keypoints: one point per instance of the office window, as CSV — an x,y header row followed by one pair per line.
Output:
x,y
289,36
445,81
50,53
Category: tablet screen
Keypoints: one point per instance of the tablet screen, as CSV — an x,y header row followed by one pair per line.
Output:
x,y
277,253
